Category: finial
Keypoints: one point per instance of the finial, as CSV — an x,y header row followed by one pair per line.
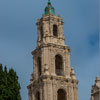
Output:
x,y
97,79
73,73
49,3
46,70
72,70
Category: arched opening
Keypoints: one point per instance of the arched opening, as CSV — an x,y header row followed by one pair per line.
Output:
x,y
59,65
38,96
55,30
39,65
41,31
61,95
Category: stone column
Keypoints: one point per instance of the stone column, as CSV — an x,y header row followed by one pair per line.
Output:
x,y
75,90
47,89
67,65
54,92
70,92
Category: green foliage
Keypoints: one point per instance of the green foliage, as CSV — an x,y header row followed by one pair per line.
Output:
x,y
9,86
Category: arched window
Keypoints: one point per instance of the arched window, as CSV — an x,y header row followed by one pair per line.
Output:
x,y
38,96
61,95
59,65
41,32
39,65
55,30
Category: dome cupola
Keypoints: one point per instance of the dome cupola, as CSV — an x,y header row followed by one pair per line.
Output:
x,y
49,9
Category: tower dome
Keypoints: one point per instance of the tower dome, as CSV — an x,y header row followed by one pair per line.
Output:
x,y
49,9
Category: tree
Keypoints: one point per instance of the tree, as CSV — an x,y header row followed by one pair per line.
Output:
x,y
14,86
1,81
9,86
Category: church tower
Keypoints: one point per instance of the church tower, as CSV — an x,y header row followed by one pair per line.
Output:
x,y
52,78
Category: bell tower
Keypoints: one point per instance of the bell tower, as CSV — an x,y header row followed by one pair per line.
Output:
x,y
50,27
52,78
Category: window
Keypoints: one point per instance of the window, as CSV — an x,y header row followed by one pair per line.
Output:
x,y
59,65
38,96
55,30
61,95
41,31
39,65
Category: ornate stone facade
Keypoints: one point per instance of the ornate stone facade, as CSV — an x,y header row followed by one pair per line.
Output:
x,y
95,91
53,78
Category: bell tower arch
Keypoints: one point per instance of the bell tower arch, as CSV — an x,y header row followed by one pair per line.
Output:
x,y
52,78
61,94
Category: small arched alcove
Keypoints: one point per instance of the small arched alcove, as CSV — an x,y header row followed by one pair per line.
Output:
x,y
55,30
38,96
39,65
61,95
59,65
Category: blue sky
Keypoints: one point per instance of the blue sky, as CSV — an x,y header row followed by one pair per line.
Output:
x,y
18,35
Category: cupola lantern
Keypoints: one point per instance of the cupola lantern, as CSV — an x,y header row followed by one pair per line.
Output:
x,y
49,9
